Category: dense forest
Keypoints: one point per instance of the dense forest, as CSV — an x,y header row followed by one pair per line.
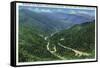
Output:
x,y
43,38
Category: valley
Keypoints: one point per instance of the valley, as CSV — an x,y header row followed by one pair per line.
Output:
x,y
55,35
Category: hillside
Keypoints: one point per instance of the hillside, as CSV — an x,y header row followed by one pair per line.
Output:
x,y
59,46
47,34
80,37
48,20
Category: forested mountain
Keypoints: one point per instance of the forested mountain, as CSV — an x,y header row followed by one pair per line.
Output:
x,y
50,35
79,37
48,20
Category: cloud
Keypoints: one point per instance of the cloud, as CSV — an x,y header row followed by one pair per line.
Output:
x,y
46,10
39,10
72,12
68,11
83,12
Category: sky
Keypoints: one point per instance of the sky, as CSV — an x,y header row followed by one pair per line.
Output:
x,y
86,11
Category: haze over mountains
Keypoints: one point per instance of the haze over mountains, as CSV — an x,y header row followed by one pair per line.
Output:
x,y
47,34
54,19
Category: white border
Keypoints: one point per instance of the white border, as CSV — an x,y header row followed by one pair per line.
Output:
x,y
48,62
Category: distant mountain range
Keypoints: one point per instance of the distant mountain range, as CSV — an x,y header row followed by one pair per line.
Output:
x,y
46,35
47,21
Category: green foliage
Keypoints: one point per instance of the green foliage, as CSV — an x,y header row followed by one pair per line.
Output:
x,y
80,37
32,47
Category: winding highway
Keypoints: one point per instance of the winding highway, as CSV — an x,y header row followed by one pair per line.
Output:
x,y
54,50
77,52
